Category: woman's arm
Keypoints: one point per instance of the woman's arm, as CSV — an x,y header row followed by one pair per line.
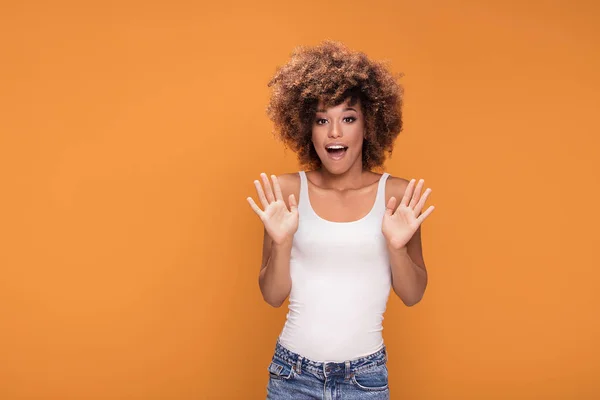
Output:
x,y
274,278
409,273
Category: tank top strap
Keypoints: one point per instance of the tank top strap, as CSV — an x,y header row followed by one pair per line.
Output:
x,y
381,203
303,201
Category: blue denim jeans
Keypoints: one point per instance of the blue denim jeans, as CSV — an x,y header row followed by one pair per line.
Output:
x,y
293,377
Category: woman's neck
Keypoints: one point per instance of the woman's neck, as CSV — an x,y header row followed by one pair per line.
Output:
x,y
354,178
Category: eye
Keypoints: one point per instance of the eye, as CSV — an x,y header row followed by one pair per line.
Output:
x,y
319,120
350,118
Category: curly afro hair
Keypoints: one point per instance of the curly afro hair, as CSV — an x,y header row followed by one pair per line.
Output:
x,y
332,73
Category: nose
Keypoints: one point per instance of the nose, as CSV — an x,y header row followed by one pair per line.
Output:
x,y
335,131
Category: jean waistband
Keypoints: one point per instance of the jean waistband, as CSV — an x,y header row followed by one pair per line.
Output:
x,y
299,362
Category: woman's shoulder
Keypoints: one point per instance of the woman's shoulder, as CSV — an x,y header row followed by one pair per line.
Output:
x,y
288,178
289,184
397,182
395,186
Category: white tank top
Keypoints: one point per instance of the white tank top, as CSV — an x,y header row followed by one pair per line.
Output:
x,y
341,281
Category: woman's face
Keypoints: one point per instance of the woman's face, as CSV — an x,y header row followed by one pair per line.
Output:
x,y
337,134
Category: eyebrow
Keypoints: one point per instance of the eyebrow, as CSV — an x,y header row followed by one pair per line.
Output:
x,y
345,109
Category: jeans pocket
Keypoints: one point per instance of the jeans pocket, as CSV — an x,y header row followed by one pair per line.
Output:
x,y
372,379
279,369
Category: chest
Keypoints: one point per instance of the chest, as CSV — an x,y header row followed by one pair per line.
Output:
x,y
354,253
347,206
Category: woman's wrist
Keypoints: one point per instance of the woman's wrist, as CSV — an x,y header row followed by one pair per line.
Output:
x,y
284,244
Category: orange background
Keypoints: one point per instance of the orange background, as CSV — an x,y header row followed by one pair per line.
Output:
x,y
130,133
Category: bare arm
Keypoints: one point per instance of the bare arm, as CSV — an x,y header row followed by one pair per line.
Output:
x,y
274,278
409,274
280,223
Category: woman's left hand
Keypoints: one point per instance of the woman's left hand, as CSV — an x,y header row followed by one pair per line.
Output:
x,y
399,227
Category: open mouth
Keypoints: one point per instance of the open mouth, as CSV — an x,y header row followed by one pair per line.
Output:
x,y
336,152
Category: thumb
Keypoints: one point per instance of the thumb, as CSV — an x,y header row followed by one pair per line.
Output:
x,y
391,205
293,203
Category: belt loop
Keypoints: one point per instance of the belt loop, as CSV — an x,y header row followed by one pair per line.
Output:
x,y
299,365
347,370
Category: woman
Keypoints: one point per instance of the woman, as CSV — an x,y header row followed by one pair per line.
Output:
x,y
338,237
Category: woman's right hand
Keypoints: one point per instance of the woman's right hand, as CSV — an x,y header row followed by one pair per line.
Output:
x,y
280,223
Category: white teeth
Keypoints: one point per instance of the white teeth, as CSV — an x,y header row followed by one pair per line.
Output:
x,y
335,147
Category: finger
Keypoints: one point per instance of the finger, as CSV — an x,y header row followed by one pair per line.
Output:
x,y
422,201
407,192
256,209
293,203
391,206
425,214
416,194
268,190
277,188
261,194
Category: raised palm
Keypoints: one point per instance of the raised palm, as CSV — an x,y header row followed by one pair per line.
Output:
x,y
399,226
280,223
